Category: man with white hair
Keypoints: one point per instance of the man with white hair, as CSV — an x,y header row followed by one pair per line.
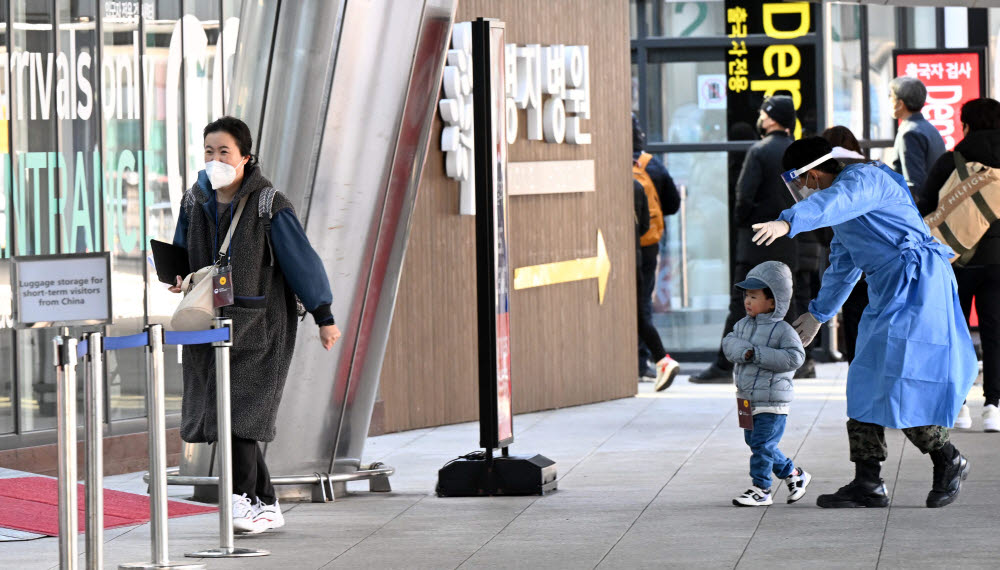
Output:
x,y
918,143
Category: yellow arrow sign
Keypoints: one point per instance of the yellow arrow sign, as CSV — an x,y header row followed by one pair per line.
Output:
x,y
565,271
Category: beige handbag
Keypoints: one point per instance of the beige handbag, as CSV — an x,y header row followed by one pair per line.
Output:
x,y
197,309
968,203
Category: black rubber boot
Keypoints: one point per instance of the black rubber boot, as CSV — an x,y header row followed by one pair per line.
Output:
x,y
950,469
866,490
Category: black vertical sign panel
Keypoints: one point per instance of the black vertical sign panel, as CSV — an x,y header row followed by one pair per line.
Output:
x,y
772,51
492,269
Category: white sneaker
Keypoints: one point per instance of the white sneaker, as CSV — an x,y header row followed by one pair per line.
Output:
x,y
964,420
991,418
666,371
754,497
797,484
269,516
243,516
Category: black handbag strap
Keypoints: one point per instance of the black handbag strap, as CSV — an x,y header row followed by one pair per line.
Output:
x,y
960,165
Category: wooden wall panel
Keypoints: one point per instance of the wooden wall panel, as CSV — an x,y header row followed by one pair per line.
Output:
x,y
566,348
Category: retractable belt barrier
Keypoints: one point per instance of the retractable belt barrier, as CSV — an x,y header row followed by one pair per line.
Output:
x,y
90,350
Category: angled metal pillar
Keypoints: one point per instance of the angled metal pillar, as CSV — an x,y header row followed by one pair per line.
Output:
x,y
345,122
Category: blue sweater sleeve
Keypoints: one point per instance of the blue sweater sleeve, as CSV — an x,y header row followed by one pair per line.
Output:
x,y
301,266
181,231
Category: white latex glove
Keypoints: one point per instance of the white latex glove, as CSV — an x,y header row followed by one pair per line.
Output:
x,y
770,231
807,326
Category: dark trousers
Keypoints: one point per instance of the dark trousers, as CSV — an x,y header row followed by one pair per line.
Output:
x,y
867,441
649,337
983,283
250,474
852,310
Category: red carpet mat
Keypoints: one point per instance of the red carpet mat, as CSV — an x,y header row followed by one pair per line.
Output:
x,y
31,504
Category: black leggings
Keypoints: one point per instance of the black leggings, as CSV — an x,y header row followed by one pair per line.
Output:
x,y
250,474
983,282
645,279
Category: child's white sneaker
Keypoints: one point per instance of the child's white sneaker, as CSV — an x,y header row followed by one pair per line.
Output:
x,y
991,418
754,497
268,516
797,483
964,419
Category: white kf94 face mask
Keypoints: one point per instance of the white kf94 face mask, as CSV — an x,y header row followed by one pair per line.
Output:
x,y
220,174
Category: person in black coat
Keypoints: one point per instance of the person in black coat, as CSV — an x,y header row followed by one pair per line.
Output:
x,y
980,277
855,305
269,267
760,197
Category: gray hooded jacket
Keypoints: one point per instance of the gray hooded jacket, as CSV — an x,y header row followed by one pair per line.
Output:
x,y
766,379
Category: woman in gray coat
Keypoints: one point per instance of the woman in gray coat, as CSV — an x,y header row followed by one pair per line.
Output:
x,y
270,262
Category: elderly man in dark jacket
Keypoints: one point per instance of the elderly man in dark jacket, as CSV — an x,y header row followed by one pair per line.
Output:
x,y
760,197
980,277
918,143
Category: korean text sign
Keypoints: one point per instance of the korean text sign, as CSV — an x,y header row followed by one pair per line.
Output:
x,y
952,77
768,56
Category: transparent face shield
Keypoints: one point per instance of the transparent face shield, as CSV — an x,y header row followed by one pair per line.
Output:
x,y
796,183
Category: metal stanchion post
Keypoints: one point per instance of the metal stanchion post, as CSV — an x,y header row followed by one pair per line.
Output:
x,y
94,445
155,396
223,448
64,350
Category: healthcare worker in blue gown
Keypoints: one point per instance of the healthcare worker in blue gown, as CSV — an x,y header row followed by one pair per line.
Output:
x,y
915,362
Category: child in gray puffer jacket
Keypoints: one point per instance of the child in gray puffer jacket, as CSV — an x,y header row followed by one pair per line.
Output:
x,y
766,352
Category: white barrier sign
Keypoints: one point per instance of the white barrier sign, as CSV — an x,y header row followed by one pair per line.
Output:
x,y
54,290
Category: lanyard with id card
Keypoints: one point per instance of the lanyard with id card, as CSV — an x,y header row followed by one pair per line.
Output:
x,y
744,413
222,273
222,286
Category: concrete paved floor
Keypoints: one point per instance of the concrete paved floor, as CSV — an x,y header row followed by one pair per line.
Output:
x,y
645,482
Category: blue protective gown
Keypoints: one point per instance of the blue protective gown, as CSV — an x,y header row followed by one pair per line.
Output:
x,y
914,363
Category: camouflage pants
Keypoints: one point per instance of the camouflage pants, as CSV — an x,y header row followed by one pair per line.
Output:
x,y
867,441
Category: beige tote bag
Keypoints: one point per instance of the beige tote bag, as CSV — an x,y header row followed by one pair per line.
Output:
x,y
197,309
968,203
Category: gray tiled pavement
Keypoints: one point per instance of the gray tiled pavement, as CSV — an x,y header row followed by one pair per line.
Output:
x,y
645,482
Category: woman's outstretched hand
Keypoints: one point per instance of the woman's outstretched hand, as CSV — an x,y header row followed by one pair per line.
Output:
x,y
329,335
176,288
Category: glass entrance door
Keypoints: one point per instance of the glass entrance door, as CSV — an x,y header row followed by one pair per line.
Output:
x,y
686,119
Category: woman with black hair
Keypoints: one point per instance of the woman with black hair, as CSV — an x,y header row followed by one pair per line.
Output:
x,y
269,262
915,362
980,277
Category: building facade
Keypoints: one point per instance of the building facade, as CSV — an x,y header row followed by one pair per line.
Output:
x,y
105,119
101,114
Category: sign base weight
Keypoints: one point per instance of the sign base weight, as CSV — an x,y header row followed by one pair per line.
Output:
x,y
512,475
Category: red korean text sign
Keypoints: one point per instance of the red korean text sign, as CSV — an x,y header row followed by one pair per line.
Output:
x,y
952,77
